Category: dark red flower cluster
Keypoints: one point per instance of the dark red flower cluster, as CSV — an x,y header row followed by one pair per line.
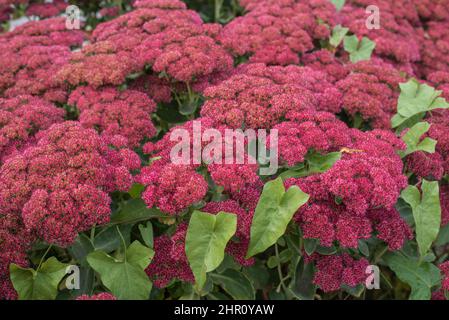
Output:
x,y
31,56
337,270
371,91
396,40
432,9
433,166
258,96
276,32
14,243
161,34
310,130
170,260
325,61
60,186
357,195
47,9
174,187
113,112
20,119
435,48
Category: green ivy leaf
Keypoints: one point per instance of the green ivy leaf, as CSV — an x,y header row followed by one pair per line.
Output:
x,y
302,286
125,277
134,210
338,4
273,213
41,284
413,140
319,163
81,248
147,234
310,245
316,163
415,100
234,283
363,248
136,190
338,34
109,239
258,275
443,236
420,276
426,212
358,50
206,239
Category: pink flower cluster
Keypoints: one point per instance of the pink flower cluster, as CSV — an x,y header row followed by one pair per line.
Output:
x,y
32,55
396,40
259,96
433,166
170,260
370,91
14,243
435,48
20,119
325,61
113,112
337,270
60,186
174,187
357,195
162,34
46,10
310,130
276,32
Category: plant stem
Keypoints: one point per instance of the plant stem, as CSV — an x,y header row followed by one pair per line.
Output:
x,y
281,276
43,257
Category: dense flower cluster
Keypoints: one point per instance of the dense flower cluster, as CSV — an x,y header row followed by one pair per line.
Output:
x,y
259,96
396,40
370,91
435,48
337,270
174,187
310,130
14,243
31,56
20,119
46,10
161,34
357,195
324,60
170,260
113,112
275,32
59,186
433,166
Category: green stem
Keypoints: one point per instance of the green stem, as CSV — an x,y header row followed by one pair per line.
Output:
x,y
281,276
43,257
218,5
